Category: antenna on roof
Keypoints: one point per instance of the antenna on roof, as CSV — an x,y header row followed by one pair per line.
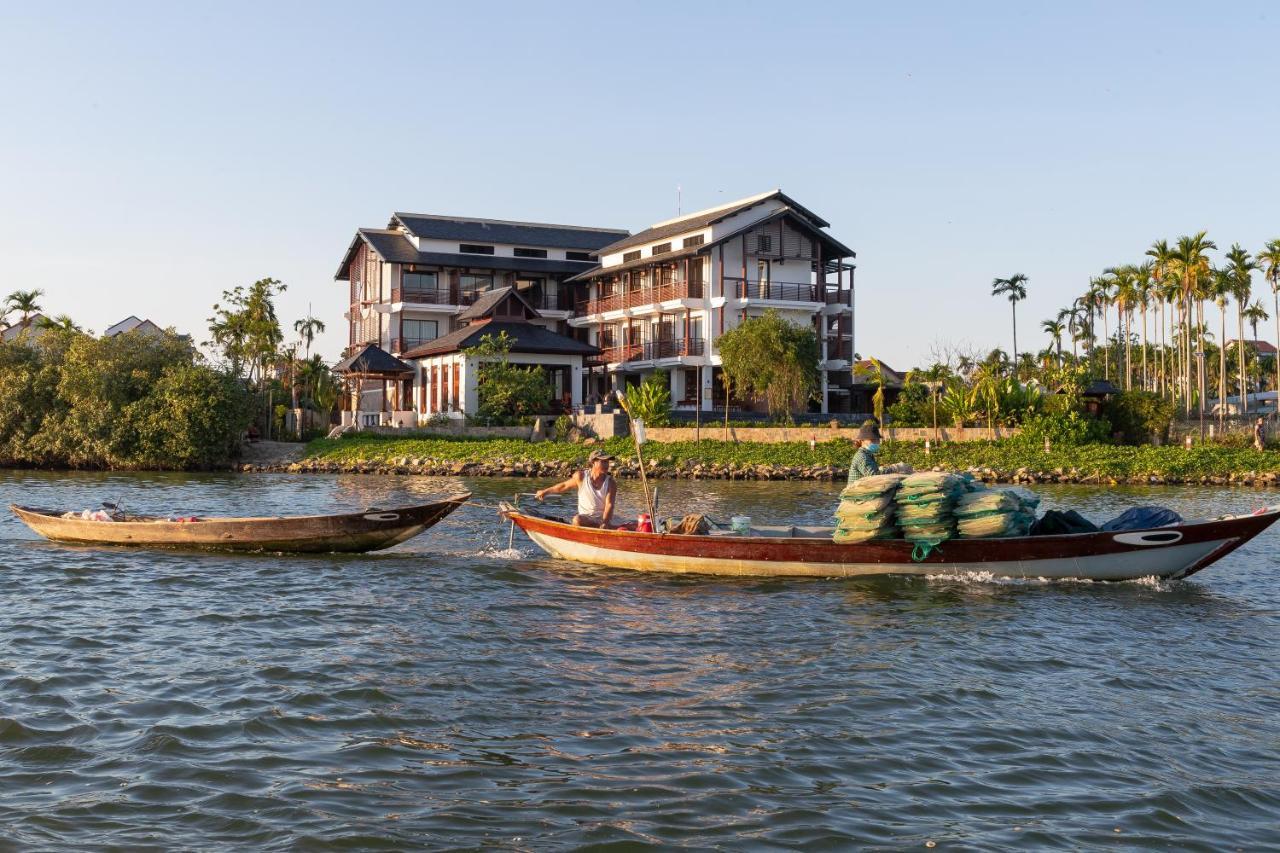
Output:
x,y
679,200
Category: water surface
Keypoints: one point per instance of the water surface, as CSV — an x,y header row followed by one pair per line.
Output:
x,y
452,693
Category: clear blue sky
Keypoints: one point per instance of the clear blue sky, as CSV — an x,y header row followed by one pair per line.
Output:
x,y
153,155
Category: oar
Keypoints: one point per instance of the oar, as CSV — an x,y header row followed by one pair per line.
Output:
x,y
644,481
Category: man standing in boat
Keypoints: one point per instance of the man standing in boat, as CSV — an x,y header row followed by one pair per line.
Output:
x,y
596,488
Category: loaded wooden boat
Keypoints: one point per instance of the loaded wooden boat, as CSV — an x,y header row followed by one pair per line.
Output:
x,y
1162,552
358,532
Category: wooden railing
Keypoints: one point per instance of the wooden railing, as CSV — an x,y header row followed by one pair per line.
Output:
x,y
642,296
781,291
650,351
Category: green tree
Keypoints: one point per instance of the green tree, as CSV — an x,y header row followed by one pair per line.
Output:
x,y
1015,288
244,325
1190,262
1054,329
505,390
650,401
768,357
61,323
307,330
1269,261
1240,267
26,303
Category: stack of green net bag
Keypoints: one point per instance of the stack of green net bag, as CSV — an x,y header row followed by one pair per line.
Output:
x,y
995,513
926,506
866,509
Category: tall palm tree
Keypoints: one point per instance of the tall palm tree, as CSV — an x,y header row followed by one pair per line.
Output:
x,y
1161,259
1269,259
1220,288
1125,295
26,303
1071,316
1055,328
1240,267
1169,292
1253,315
307,330
1015,288
1100,291
1143,287
1191,263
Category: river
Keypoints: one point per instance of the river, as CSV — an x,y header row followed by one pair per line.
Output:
x,y
453,693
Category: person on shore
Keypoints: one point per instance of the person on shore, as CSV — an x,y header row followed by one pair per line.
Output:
x,y
864,463
597,490
1259,435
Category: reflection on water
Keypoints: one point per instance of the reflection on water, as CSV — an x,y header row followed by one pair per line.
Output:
x,y
452,692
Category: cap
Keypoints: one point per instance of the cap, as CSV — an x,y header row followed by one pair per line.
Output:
x,y
869,432
599,454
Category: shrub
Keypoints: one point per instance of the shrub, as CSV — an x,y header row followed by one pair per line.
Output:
x,y
1062,428
563,426
1139,417
650,401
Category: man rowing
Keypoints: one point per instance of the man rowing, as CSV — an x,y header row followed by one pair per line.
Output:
x,y
597,490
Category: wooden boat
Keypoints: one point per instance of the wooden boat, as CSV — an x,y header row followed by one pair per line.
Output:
x,y
371,530
1164,552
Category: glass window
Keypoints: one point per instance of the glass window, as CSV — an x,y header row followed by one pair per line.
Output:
x,y
577,256
473,249
418,282
471,283
419,331
530,253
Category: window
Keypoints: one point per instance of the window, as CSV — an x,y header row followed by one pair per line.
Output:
x,y
531,253
660,249
419,282
475,249
419,331
631,256
764,243
577,256
696,240
471,283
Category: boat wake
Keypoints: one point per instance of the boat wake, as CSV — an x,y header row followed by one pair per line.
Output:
x,y
990,578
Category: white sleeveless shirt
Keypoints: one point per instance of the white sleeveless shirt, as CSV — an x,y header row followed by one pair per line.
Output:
x,y
591,499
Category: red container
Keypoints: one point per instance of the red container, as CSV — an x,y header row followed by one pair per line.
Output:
x,y
644,524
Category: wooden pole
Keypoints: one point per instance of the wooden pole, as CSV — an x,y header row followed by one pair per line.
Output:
x,y
644,480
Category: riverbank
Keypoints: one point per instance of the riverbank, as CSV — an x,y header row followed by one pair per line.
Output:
x,y
1009,461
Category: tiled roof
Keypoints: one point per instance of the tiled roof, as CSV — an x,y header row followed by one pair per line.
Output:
x,y
525,337
372,359
537,234
394,247
486,303
704,218
861,369
1260,347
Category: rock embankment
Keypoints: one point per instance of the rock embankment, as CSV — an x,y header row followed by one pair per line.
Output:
x,y
690,470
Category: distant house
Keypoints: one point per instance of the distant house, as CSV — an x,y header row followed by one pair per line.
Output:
x,y
133,324
33,327
1265,350
864,385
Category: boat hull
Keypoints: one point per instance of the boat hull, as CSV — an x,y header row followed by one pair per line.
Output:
x,y
371,530
1163,552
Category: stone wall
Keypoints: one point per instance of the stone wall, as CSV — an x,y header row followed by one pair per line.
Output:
x,y
460,431
774,435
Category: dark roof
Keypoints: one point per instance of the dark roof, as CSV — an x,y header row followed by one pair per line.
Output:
x,y
1099,388
525,337
483,306
597,272
372,359
1260,347
394,247
538,234
708,217
803,222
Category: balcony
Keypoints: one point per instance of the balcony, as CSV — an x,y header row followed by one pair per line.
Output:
x,y
399,345
651,351
777,291
642,297
437,296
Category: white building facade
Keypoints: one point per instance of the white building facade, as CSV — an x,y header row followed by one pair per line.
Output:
x,y
661,299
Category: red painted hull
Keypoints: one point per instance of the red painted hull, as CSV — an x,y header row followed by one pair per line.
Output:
x,y
1168,552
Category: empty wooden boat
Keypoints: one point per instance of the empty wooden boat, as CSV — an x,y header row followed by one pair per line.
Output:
x,y
370,530
1163,552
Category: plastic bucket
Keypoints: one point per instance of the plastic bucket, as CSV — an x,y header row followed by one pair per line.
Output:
x,y
740,525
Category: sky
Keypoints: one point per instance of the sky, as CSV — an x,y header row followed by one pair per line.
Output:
x,y
154,155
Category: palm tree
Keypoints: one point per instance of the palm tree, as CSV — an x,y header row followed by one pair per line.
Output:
x,y
1143,288
1240,267
1191,263
1100,292
1269,260
26,303
1220,289
1055,328
1253,315
1015,288
1123,280
61,323
307,330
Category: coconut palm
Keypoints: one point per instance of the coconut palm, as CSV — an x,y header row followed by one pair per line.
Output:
x,y
1219,289
307,330
1240,267
1125,294
1190,262
1253,315
26,303
1143,288
1269,260
61,323
1055,328
1100,296
1015,288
